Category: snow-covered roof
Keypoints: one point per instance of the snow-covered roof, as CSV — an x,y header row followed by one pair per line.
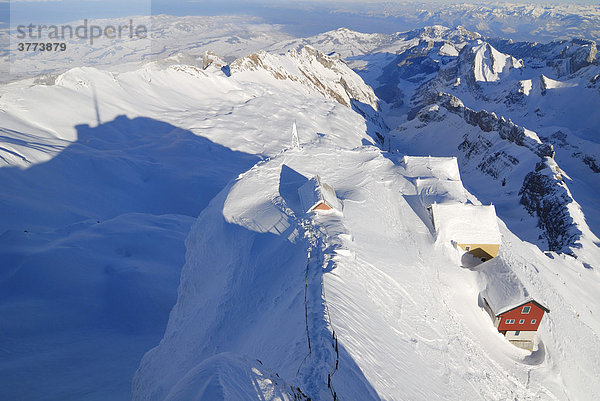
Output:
x,y
433,190
504,291
315,191
466,224
445,168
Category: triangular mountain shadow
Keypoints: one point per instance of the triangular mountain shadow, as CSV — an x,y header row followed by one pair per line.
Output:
x,y
125,165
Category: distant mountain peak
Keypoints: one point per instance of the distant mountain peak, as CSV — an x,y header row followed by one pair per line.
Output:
x,y
483,63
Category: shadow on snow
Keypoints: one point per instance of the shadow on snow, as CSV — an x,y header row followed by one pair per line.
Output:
x,y
92,246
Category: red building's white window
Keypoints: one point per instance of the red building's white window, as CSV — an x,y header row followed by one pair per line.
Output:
x,y
521,321
533,321
526,309
509,321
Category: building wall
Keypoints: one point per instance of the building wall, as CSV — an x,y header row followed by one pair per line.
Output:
x,y
524,344
482,250
535,313
523,335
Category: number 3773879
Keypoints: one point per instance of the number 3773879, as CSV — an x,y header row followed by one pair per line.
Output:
x,y
41,46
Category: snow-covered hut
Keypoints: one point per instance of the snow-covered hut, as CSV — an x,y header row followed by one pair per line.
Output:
x,y
317,195
516,314
443,168
473,228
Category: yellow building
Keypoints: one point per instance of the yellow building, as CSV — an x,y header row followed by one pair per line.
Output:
x,y
472,228
481,251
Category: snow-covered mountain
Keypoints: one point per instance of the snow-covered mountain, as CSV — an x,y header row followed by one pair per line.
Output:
x,y
541,105
525,21
117,166
526,92
480,62
100,190
375,309
313,69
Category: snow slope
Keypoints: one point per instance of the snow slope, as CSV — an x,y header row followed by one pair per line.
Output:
x,y
100,188
464,224
389,313
327,75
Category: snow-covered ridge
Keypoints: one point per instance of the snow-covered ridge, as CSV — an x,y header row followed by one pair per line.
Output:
x,y
102,183
564,56
342,41
351,44
328,75
488,122
327,306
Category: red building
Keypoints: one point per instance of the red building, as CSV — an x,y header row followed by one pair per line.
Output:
x,y
518,323
316,195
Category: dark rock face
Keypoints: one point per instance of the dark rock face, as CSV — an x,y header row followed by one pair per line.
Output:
x,y
493,164
471,148
489,122
592,163
559,139
580,54
545,196
415,68
543,85
515,97
426,116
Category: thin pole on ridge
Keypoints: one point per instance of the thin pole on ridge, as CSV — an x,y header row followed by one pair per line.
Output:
x,y
295,137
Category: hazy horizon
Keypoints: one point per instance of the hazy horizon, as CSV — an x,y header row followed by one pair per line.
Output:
x,y
61,11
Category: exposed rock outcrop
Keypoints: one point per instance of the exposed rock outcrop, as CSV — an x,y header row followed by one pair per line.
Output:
x,y
488,122
326,74
545,195
581,53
